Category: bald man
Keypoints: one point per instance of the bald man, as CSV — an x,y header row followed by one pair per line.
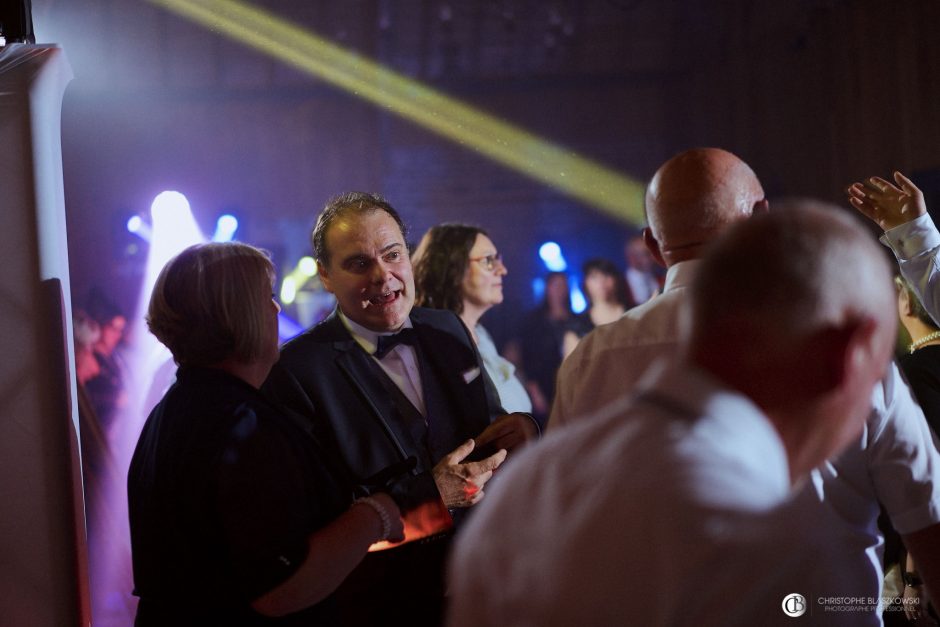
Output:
x,y
691,199
673,507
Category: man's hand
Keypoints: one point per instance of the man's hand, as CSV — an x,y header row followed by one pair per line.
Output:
x,y
509,431
886,205
461,484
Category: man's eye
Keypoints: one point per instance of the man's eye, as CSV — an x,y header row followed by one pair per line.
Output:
x,y
393,256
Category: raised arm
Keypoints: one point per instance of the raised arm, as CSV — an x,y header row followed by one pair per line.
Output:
x,y
909,231
887,205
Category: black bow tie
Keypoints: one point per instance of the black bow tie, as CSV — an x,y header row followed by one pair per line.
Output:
x,y
388,342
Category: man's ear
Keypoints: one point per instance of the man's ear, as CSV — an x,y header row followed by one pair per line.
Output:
x,y
905,302
845,349
324,277
653,246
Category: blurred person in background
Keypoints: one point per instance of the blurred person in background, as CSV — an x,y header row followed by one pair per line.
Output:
x,y
642,279
608,298
539,343
457,267
107,389
921,362
85,332
99,472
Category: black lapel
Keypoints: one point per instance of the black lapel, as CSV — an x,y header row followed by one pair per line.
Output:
x,y
363,374
445,363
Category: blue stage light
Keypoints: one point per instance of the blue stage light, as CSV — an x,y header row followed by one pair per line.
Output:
x,y
578,301
225,228
137,226
551,255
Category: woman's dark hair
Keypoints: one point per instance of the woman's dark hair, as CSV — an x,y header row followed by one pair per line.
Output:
x,y
440,263
607,268
556,275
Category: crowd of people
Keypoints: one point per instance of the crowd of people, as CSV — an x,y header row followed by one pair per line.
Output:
x,y
715,449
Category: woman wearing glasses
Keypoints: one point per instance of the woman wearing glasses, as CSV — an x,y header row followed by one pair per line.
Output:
x,y
457,267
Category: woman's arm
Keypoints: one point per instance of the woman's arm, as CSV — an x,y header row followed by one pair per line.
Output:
x,y
333,552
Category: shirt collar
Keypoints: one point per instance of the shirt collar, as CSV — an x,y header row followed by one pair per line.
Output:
x,y
680,274
367,338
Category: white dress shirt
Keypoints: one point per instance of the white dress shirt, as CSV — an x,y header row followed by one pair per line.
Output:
x,y
609,360
400,363
671,508
895,462
916,244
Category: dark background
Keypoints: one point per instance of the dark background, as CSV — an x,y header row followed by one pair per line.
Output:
x,y
813,94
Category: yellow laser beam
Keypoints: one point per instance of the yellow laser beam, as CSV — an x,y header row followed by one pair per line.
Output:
x,y
505,143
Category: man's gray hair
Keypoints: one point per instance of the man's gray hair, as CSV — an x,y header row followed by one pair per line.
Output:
x,y
790,272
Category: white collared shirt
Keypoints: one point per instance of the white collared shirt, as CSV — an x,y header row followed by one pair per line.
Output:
x,y
400,363
609,360
669,510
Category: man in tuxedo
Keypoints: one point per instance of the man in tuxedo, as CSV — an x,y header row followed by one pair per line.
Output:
x,y
400,392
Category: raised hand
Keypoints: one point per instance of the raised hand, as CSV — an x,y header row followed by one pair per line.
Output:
x,y
885,204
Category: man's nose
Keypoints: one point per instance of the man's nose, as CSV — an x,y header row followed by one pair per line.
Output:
x,y
380,272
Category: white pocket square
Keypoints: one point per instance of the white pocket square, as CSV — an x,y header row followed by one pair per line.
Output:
x,y
471,374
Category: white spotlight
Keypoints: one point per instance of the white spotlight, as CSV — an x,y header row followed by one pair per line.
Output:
x,y
307,266
550,252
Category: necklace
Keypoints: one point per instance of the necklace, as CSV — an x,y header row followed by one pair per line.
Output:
x,y
927,338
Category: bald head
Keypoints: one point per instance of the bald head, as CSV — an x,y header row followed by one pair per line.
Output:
x,y
694,197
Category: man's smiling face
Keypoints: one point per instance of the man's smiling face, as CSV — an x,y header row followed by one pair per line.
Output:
x,y
369,270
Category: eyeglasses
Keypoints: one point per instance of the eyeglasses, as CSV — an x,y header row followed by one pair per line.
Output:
x,y
489,262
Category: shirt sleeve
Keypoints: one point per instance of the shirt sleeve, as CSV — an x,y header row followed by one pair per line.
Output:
x,y
916,244
903,458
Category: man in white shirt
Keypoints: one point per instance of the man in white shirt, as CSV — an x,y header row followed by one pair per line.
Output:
x,y
690,201
910,233
671,507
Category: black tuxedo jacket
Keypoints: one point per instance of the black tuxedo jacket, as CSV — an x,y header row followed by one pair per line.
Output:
x,y
324,374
